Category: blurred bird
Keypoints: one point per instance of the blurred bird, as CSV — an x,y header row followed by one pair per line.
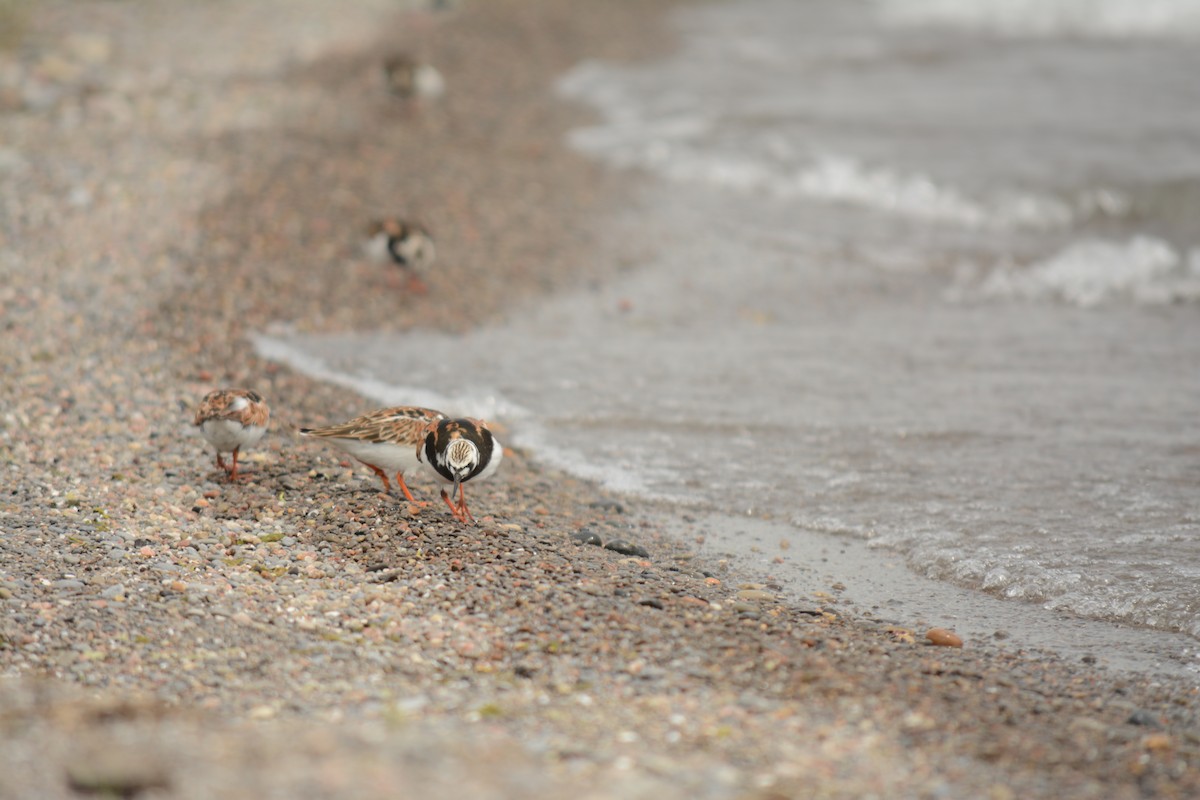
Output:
x,y
404,243
412,80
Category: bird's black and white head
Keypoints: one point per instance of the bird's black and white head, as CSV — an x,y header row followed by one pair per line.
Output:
x,y
460,450
461,461
413,248
462,458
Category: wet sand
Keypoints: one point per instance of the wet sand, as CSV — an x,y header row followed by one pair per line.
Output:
x,y
172,180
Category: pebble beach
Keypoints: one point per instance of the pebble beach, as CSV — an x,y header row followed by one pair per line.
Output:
x,y
175,177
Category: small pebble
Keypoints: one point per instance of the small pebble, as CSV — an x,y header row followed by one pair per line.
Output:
x,y
586,536
627,548
1145,718
940,637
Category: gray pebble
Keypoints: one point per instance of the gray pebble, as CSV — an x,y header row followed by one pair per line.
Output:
x,y
587,536
627,548
1142,717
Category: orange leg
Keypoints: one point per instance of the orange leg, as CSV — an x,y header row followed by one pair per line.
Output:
x,y
233,473
387,486
462,504
416,285
404,488
459,511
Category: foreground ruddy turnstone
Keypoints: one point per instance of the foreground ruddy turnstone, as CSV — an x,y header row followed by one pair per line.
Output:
x,y
410,79
460,450
232,419
386,440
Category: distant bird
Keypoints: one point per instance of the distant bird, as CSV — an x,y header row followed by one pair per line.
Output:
x,y
386,441
231,419
410,79
460,450
406,244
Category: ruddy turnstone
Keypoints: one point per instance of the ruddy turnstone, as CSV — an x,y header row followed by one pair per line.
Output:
x,y
407,243
386,440
460,450
232,419
410,79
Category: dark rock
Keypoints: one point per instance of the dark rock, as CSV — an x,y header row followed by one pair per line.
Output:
x,y
117,774
1141,717
627,548
587,536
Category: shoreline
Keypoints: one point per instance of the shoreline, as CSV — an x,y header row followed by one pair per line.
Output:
x,y
878,585
876,582
166,634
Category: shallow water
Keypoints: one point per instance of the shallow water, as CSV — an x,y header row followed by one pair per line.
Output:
x,y
930,292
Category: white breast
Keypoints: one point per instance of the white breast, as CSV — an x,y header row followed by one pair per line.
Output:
x,y
226,434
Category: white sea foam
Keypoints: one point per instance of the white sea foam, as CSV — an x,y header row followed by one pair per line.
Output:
x,y
285,348
1096,18
1144,269
680,140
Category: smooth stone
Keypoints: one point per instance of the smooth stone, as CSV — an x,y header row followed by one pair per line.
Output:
x,y
586,536
627,548
940,637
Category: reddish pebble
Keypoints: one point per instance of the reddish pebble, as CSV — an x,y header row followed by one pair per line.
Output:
x,y
941,637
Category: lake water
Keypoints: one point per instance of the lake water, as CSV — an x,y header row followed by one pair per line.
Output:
x,y
916,288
